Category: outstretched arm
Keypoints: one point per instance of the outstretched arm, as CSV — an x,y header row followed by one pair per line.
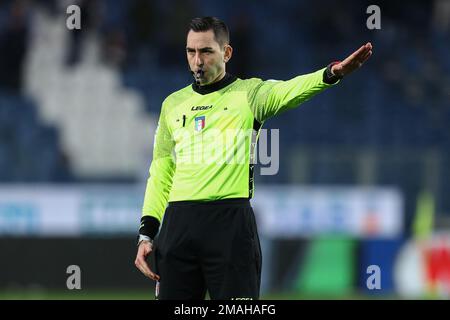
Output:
x,y
270,98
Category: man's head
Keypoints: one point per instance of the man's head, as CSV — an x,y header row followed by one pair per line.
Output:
x,y
208,49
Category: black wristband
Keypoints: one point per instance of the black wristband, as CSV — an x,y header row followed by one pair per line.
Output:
x,y
328,76
149,226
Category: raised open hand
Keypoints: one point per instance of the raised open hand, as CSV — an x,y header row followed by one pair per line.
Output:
x,y
353,61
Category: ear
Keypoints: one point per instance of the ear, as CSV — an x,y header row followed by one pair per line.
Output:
x,y
228,53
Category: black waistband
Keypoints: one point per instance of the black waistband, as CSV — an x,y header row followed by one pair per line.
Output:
x,y
226,202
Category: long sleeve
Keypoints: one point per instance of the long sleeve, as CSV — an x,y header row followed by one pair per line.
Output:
x,y
272,97
161,171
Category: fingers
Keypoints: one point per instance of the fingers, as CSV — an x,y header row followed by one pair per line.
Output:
x,y
359,56
367,56
366,48
141,263
361,52
367,51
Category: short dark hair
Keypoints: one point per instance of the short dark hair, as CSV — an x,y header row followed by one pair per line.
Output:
x,y
220,29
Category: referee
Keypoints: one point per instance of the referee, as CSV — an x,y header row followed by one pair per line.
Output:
x,y
208,239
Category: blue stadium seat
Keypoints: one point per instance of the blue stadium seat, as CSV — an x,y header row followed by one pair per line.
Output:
x,y
29,151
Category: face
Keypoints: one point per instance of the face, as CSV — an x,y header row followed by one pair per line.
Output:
x,y
205,53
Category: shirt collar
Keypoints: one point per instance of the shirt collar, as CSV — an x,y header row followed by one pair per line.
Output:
x,y
222,83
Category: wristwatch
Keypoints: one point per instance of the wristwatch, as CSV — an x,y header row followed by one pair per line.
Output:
x,y
142,237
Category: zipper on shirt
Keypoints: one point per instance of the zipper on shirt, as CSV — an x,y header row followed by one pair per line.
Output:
x,y
184,120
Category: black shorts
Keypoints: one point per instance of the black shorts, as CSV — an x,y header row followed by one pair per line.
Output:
x,y
210,246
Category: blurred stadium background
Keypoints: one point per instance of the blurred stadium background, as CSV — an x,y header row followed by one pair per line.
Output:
x,y
364,168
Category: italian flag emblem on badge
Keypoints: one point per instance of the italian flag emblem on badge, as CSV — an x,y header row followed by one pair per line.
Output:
x,y
199,123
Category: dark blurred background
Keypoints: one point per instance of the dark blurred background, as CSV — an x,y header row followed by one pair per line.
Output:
x,y
78,109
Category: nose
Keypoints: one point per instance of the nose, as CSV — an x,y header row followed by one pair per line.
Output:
x,y
198,60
